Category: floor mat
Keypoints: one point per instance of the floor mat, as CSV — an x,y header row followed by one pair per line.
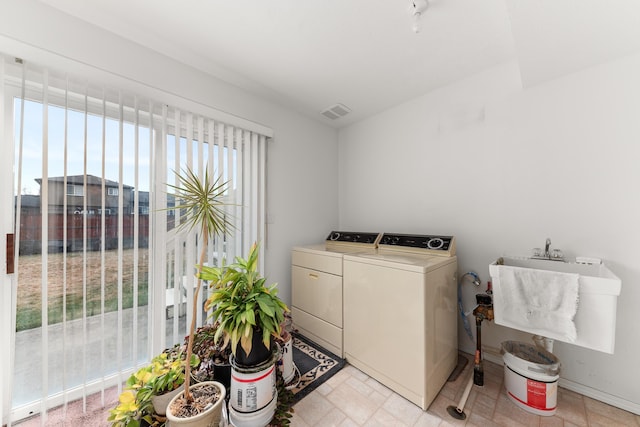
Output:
x,y
315,365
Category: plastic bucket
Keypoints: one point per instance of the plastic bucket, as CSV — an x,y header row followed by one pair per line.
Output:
x,y
531,377
285,363
254,419
253,388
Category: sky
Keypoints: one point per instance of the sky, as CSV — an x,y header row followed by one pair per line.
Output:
x,y
32,152
86,142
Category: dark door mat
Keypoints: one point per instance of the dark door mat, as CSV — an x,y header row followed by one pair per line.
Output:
x,y
314,364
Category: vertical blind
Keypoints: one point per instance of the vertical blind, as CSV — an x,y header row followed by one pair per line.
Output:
x,y
101,255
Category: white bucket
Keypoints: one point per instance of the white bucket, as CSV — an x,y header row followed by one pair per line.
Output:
x,y
252,388
285,363
531,377
254,419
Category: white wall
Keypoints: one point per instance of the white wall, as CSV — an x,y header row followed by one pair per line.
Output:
x,y
502,169
302,172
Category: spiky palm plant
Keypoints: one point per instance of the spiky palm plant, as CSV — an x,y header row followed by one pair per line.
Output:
x,y
203,201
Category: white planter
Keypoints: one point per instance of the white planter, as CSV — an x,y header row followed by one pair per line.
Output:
x,y
209,418
161,401
285,363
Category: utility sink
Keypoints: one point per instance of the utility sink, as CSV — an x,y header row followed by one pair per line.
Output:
x,y
598,290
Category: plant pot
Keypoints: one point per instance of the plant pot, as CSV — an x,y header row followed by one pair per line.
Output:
x,y
285,362
259,353
253,387
161,401
222,373
259,418
208,418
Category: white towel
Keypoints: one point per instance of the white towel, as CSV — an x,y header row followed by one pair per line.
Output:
x,y
542,302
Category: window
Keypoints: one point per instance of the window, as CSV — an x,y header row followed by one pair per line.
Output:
x,y
112,191
75,190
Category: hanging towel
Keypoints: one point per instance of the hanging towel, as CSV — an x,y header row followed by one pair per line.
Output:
x,y
542,302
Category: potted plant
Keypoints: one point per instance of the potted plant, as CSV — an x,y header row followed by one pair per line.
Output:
x,y
202,202
214,356
149,390
129,412
163,378
249,312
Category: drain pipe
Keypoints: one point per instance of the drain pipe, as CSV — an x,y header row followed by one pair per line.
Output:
x,y
483,311
457,412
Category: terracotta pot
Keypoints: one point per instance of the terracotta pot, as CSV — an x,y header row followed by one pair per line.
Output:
x,y
209,418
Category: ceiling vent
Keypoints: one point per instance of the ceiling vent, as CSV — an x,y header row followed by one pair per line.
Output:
x,y
336,111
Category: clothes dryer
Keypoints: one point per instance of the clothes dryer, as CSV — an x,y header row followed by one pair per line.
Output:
x,y
400,323
316,286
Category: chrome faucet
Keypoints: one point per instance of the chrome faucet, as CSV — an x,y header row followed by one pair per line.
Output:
x,y
553,255
547,244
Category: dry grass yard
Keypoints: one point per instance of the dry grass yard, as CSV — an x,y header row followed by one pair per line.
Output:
x,y
78,291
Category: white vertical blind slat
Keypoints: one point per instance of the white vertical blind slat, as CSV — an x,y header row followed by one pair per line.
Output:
x,y
85,143
252,139
191,236
247,229
201,172
177,274
44,205
213,171
151,242
136,229
235,146
261,151
64,241
103,235
223,172
120,343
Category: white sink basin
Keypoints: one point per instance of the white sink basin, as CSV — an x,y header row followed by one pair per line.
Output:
x,y
598,290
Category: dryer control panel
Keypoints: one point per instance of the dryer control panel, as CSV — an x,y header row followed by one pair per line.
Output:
x,y
417,243
337,239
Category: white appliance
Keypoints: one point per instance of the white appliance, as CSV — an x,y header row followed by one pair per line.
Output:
x,y
316,279
400,323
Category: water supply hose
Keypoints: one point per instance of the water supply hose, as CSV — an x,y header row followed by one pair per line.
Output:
x,y
464,314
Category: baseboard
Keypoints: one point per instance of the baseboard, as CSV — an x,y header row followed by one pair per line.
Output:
x,y
581,389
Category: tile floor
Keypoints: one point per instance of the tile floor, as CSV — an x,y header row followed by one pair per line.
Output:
x,y
350,398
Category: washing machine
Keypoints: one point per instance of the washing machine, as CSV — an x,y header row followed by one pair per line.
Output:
x,y
400,323
317,286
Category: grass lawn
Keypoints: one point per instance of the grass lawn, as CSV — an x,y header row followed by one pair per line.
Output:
x,y
30,291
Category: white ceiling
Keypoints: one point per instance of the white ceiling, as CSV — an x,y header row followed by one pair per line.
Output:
x,y
310,54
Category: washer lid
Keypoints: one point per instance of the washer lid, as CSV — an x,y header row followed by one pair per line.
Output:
x,y
403,261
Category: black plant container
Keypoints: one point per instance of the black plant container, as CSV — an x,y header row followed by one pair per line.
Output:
x,y
222,373
259,353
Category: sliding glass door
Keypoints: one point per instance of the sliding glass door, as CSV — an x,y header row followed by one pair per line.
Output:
x,y
82,182
103,272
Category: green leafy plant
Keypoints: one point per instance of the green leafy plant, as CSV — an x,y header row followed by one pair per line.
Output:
x,y
284,409
210,350
242,303
165,373
129,412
